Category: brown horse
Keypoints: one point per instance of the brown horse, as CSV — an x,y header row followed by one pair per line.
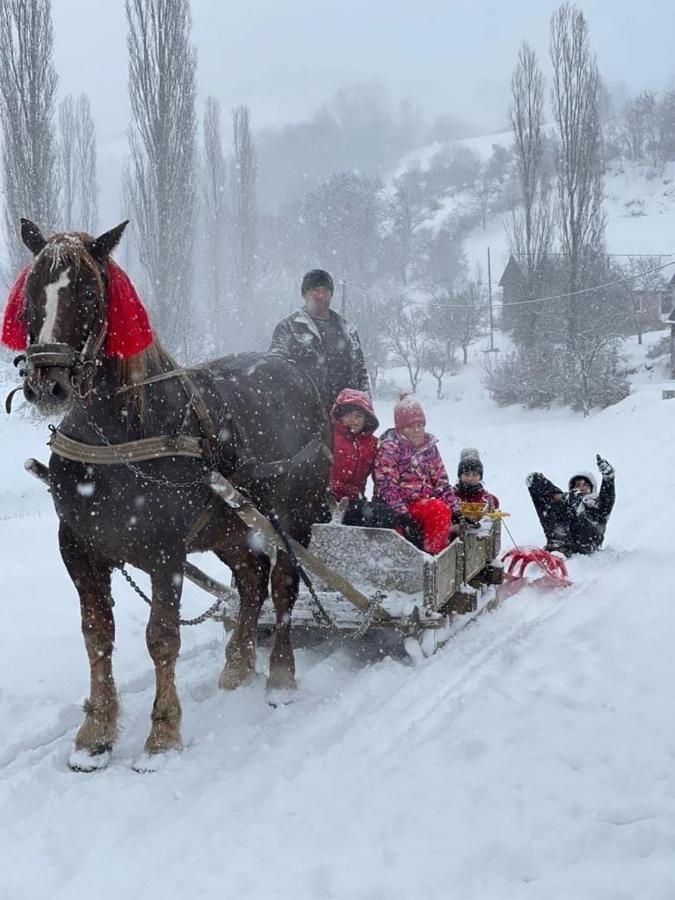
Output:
x,y
152,513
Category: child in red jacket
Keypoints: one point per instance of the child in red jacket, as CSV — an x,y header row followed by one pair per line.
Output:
x,y
354,446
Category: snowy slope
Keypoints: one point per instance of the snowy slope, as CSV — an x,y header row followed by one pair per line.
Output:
x,y
533,757
639,206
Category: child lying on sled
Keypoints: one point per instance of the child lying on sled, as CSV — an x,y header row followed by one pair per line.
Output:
x,y
410,478
574,521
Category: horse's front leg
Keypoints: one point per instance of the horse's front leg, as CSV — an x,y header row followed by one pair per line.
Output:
x,y
91,577
163,640
251,572
285,582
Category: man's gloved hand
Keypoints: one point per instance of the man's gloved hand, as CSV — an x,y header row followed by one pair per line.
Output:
x,y
532,478
606,469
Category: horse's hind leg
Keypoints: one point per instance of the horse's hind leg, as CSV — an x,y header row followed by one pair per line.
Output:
x,y
163,640
285,582
251,573
91,577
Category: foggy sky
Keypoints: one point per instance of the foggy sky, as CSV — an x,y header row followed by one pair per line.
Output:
x,y
285,57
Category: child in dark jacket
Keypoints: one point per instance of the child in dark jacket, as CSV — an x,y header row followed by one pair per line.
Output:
x,y
473,497
410,476
353,421
574,521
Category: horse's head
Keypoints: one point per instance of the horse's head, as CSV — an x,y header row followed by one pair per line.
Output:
x,y
65,312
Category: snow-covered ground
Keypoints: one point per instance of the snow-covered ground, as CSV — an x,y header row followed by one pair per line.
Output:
x,y
532,757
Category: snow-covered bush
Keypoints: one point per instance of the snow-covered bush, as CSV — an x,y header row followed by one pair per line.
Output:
x,y
541,375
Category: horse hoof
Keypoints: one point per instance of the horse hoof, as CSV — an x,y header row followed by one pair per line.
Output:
x,y
147,763
80,760
232,679
281,696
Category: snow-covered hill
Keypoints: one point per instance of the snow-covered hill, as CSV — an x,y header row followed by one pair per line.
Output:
x,y
639,205
533,757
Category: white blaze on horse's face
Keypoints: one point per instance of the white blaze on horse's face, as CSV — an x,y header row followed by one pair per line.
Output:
x,y
46,335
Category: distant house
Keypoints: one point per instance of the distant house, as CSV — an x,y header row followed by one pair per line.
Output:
x,y
670,320
512,281
651,306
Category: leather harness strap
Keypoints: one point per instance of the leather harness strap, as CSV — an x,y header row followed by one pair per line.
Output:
x,y
130,451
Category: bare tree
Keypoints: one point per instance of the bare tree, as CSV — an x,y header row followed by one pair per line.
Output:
x,y
405,337
160,181
67,161
467,313
244,180
580,162
85,166
530,230
214,206
77,163
440,342
341,219
666,126
644,281
640,131
27,92
490,181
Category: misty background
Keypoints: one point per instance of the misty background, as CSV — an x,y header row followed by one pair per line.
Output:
x,y
248,145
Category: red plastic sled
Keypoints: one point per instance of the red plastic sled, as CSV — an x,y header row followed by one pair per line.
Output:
x,y
516,561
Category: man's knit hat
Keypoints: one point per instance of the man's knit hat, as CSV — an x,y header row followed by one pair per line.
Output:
x,y
408,411
469,461
316,278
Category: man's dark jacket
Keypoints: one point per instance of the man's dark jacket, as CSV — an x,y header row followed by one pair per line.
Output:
x,y
298,339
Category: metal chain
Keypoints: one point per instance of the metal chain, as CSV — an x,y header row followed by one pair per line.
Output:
x,y
208,614
162,482
324,621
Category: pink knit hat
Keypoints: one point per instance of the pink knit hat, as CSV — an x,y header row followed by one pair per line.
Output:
x,y
408,411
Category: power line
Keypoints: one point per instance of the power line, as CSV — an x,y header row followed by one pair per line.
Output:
x,y
596,287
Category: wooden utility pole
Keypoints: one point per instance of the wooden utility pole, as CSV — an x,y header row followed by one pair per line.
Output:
x,y
492,323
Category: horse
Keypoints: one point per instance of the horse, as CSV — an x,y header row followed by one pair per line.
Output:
x,y
239,415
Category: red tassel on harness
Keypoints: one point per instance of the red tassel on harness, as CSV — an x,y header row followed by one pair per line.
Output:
x,y
14,333
129,329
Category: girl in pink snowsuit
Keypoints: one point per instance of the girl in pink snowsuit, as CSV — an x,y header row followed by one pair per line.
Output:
x,y
410,476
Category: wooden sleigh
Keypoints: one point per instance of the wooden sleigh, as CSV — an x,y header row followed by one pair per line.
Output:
x,y
357,578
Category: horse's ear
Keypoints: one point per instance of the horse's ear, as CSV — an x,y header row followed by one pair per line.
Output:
x,y
106,243
32,236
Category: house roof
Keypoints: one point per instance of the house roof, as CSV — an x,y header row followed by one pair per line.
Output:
x,y
512,274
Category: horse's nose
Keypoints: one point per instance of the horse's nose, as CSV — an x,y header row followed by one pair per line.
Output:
x,y
49,390
54,389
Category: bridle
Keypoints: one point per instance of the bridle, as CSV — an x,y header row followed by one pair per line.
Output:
x,y
81,364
